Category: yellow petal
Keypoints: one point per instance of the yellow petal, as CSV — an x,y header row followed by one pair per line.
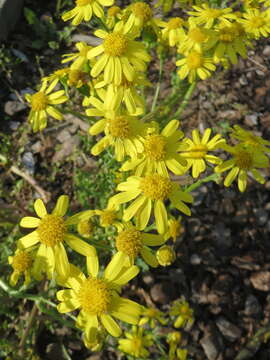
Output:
x,y
61,265
110,325
29,222
40,208
28,240
61,205
80,246
115,266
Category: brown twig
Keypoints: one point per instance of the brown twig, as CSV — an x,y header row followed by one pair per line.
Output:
x,y
44,194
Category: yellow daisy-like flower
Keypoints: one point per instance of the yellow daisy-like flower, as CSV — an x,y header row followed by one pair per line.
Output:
x,y
78,59
250,140
84,10
194,65
256,22
136,343
160,154
109,216
114,14
51,233
197,152
85,228
183,313
173,31
175,228
42,104
97,297
197,38
230,40
120,55
208,16
139,14
165,255
132,242
21,263
244,160
123,132
150,192
152,316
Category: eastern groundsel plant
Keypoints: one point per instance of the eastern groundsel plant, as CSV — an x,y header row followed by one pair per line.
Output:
x,y
131,120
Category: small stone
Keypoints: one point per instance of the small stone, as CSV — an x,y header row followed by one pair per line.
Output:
x,y
252,306
261,280
13,125
12,107
159,293
266,50
29,162
195,259
148,279
211,346
230,331
63,136
261,216
36,147
251,119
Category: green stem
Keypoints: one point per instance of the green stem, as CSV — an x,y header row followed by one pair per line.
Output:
x,y
212,177
185,101
161,62
58,6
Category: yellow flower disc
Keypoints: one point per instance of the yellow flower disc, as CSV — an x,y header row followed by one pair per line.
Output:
x,y
51,230
39,101
226,35
107,217
129,242
213,13
197,35
115,44
94,296
85,228
83,2
174,23
75,76
244,160
156,187
142,11
21,261
165,255
194,60
256,22
113,11
119,127
155,147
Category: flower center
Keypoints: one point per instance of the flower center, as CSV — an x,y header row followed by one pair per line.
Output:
x,y
39,101
244,160
155,147
120,127
129,242
107,217
256,22
194,60
165,255
22,261
197,35
83,2
114,10
142,10
226,35
115,44
85,228
137,344
213,13
196,152
175,23
75,76
51,230
94,296
156,187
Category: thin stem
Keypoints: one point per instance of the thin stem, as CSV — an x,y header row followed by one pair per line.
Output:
x,y
58,6
25,334
185,101
161,62
212,177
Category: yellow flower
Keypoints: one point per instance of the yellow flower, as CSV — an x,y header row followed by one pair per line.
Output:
x,y
244,160
160,153
114,14
132,242
78,59
208,16
197,152
123,132
230,41
21,263
85,9
256,22
85,228
150,192
195,65
175,228
51,233
173,31
165,255
183,313
109,216
120,55
174,339
136,343
42,104
250,140
139,15
197,38
152,316
97,297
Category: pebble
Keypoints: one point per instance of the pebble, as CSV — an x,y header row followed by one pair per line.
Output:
x,y
230,331
195,259
251,119
211,347
266,50
261,216
29,162
252,306
261,280
12,107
